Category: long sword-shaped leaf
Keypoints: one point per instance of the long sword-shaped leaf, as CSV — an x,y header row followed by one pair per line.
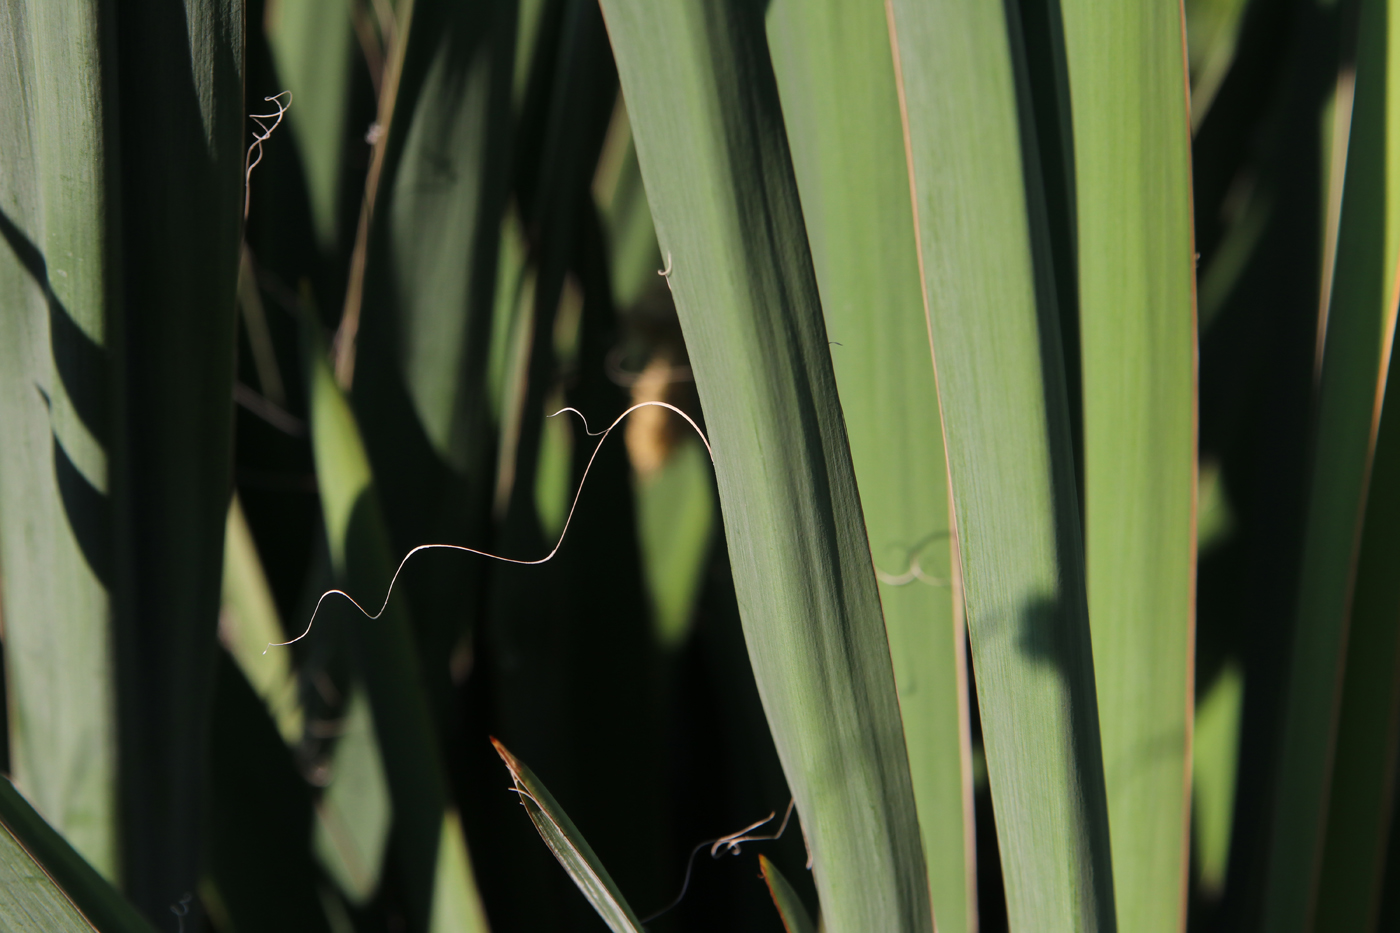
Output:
x,y
138,404
841,108
713,150
1128,93
1359,331
182,148
995,331
570,848
56,285
46,882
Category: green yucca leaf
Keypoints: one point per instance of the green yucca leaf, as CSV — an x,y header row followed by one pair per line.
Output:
x,y
33,903
1136,276
790,906
121,334
182,200
990,302
56,200
1356,356
354,813
47,884
433,863
710,139
570,848
841,108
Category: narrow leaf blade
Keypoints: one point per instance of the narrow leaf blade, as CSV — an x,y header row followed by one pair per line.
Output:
x,y
995,329
790,906
1136,275
705,114
1351,857
569,847
1360,325
841,108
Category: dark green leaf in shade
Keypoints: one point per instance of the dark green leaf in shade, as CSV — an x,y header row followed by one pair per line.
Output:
x,y
1360,321
1352,857
259,816
182,156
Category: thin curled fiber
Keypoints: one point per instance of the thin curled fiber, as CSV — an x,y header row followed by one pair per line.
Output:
x,y
601,435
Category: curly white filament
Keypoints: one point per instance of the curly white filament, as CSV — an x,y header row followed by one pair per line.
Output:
x,y
261,135
601,435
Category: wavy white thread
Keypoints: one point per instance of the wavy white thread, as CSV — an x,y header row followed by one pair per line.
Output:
x,y
601,435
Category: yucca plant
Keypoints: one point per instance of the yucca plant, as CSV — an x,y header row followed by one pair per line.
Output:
x,y
1000,534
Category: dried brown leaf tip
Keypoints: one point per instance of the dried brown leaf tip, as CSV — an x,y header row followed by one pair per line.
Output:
x,y
511,761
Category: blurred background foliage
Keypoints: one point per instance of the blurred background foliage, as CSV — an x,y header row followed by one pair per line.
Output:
x,y
447,240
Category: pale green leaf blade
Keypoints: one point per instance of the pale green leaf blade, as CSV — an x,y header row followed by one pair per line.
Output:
x,y
675,526
248,623
1128,95
354,812
55,381
790,906
841,107
1215,744
1356,354
995,330
570,848
707,122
